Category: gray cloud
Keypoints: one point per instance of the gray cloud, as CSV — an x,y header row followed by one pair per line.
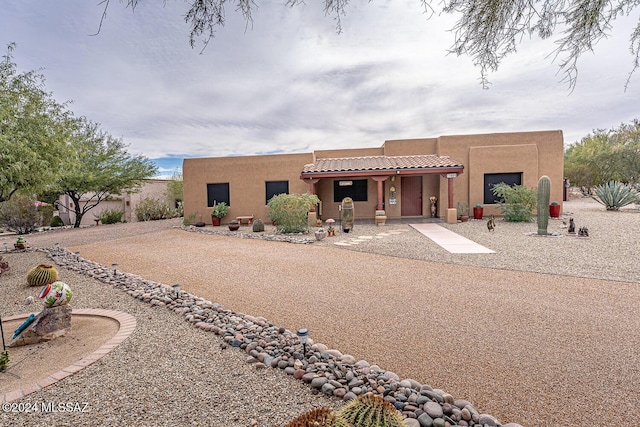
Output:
x,y
291,84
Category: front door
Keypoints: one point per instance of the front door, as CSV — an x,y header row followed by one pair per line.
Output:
x,y
411,196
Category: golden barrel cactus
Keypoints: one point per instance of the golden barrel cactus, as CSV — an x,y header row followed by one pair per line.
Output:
x,y
42,274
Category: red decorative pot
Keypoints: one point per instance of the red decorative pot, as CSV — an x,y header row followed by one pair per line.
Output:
x,y
554,211
215,221
478,212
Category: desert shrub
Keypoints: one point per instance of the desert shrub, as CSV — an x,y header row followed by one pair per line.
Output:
x,y
517,202
614,195
20,214
46,212
189,219
110,216
289,211
150,209
56,221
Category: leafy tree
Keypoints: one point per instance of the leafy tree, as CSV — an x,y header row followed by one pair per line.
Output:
x,y
487,31
605,155
175,188
102,168
34,129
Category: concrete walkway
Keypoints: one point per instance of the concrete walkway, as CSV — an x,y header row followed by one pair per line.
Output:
x,y
451,241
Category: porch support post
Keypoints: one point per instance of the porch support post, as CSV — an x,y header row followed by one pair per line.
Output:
x,y
450,190
312,184
380,180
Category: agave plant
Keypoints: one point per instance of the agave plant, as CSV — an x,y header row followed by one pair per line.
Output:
x,y
615,195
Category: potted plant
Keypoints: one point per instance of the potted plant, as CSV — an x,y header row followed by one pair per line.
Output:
x,y
320,233
478,211
220,210
554,210
463,212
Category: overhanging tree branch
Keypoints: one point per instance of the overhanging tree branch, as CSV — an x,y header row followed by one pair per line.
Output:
x,y
487,30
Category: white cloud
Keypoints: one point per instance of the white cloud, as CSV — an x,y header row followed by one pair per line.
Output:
x,y
291,84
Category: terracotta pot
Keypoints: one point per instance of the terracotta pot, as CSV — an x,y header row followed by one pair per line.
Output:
x,y
215,221
554,211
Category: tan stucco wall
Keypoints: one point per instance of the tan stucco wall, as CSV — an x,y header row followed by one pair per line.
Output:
x,y
532,153
406,147
246,176
348,152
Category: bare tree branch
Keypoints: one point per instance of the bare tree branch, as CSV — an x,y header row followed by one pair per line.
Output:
x,y
487,30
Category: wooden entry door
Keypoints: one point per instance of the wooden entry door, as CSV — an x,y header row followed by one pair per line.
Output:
x,y
411,196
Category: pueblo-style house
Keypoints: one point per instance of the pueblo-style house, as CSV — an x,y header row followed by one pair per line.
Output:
x,y
399,177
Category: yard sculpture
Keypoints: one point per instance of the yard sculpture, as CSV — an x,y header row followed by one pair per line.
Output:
x,y
347,214
491,224
52,322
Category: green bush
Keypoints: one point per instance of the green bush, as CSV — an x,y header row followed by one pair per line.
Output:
x,y
110,216
517,202
56,221
289,211
150,209
614,195
20,214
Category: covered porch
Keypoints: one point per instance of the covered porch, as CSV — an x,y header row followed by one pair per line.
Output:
x,y
398,185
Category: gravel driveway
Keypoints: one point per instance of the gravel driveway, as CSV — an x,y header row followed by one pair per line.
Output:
x,y
542,333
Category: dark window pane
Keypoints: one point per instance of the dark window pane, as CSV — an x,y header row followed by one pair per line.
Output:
x,y
218,193
354,188
491,179
273,188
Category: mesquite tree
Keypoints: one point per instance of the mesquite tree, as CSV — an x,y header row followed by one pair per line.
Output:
x,y
34,129
101,168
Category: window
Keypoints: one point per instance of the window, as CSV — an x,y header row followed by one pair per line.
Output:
x,y
217,193
491,179
273,188
354,188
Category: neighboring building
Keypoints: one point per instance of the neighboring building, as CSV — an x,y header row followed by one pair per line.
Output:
x,y
398,177
126,202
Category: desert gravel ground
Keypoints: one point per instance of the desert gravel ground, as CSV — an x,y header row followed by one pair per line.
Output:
x,y
542,333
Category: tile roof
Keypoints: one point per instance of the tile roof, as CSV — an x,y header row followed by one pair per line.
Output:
x,y
381,163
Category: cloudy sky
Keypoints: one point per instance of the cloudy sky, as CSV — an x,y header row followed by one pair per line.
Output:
x,y
292,84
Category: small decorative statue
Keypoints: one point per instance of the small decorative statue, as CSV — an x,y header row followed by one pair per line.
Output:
x,y
583,232
491,224
433,200
572,226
